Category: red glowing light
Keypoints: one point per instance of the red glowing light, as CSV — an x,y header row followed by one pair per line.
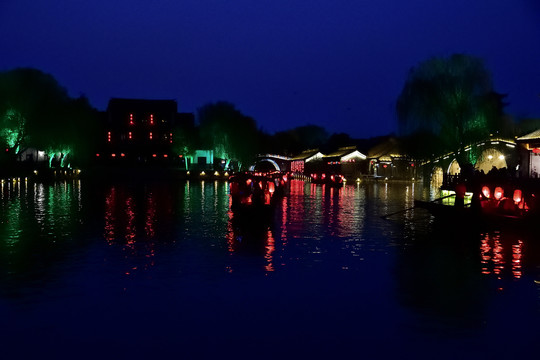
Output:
x,y
518,196
271,187
486,192
536,150
122,154
151,119
150,135
248,181
113,155
165,155
97,155
154,155
498,193
384,165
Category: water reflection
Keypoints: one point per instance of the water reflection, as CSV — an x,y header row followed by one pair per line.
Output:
x,y
39,227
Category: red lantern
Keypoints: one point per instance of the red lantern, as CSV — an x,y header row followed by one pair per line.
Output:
x,y
498,193
518,196
486,192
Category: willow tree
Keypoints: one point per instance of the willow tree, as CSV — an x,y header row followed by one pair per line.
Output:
x,y
447,104
224,129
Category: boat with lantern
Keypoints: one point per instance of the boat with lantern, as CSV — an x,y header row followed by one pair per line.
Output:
x,y
256,190
489,203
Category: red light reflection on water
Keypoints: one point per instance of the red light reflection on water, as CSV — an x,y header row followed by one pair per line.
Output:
x,y
270,248
131,220
516,259
150,216
493,255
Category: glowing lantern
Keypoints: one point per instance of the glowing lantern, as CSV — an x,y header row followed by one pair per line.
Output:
x,y
518,196
498,193
486,192
248,181
323,176
271,187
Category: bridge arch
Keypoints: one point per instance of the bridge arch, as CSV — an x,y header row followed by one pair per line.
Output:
x,y
437,175
453,168
265,164
490,158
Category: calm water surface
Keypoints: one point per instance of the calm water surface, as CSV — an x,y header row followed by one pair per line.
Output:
x,y
165,270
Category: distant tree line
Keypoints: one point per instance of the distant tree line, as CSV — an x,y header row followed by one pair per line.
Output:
x,y
37,112
445,104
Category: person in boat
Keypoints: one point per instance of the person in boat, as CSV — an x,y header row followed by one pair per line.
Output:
x,y
460,194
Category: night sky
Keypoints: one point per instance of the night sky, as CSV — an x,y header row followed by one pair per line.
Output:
x,y
340,64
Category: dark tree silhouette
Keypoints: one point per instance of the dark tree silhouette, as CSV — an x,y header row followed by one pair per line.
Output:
x,y
294,141
228,132
449,103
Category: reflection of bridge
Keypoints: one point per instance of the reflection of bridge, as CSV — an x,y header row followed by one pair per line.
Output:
x,y
272,161
501,153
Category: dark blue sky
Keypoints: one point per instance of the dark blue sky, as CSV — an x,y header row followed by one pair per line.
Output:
x,y
340,64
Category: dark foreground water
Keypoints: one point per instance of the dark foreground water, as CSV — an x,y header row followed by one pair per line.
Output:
x,y
165,270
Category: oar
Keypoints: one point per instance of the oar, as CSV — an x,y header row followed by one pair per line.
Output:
x,y
414,207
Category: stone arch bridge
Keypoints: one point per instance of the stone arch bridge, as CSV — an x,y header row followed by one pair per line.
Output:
x,y
272,162
499,153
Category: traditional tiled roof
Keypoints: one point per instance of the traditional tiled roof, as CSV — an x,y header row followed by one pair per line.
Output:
x,y
535,135
305,154
386,149
344,151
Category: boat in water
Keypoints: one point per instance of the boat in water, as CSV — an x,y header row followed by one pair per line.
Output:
x,y
491,203
256,190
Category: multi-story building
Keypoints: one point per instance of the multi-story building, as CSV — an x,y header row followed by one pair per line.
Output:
x,y
139,131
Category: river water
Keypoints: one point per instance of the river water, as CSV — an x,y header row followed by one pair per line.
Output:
x,y
166,270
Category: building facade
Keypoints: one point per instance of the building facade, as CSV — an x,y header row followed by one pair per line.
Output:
x,y
139,131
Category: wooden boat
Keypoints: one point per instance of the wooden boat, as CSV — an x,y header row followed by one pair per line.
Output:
x,y
484,214
256,190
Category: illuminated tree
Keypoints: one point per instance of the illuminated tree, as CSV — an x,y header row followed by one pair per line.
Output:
x,y
37,112
450,103
224,129
12,130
